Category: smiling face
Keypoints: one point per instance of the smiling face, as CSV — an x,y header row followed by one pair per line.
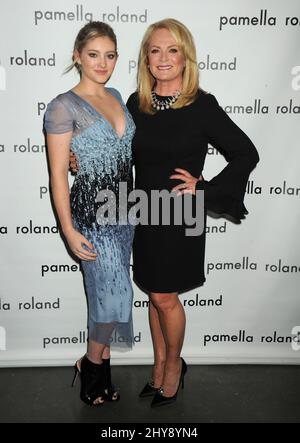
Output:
x,y
165,59
97,59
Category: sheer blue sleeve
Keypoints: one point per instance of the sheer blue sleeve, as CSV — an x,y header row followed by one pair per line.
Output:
x,y
58,118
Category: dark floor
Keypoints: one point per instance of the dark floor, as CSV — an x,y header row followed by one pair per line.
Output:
x,y
220,393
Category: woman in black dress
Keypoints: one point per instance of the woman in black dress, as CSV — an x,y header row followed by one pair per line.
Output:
x,y
175,120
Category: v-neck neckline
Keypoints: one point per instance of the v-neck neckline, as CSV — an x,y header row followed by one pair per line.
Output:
x,y
102,116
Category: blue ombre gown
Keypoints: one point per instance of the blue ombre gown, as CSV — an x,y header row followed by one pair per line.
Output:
x,y
105,160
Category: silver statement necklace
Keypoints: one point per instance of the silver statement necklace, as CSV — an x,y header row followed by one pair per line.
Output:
x,y
161,104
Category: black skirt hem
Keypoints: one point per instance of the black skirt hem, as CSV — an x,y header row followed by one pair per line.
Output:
x,y
169,291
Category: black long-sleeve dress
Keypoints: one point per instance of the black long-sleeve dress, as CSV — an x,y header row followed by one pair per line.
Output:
x,y
164,258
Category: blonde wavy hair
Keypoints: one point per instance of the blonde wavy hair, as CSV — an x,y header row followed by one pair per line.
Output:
x,y
145,80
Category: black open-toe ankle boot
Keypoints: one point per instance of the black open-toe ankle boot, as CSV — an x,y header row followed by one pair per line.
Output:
x,y
92,381
111,394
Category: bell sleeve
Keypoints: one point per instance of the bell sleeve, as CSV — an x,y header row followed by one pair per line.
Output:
x,y
224,193
57,118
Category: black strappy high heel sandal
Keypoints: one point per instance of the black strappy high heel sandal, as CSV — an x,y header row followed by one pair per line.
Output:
x,y
160,400
111,394
92,381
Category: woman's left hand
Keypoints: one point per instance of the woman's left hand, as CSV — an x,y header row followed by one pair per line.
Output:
x,y
189,185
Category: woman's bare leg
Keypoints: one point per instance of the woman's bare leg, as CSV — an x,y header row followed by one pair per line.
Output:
x,y
95,351
159,346
172,321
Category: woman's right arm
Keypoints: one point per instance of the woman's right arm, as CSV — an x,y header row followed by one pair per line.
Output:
x,y
58,150
58,122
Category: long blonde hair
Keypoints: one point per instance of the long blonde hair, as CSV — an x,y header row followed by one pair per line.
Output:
x,y
145,80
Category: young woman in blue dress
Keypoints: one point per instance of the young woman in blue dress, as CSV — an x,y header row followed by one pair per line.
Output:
x,y
93,121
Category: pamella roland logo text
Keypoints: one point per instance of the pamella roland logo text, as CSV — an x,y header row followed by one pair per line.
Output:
x,y
79,13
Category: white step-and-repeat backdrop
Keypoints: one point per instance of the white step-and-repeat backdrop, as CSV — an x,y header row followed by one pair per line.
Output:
x,y
248,311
